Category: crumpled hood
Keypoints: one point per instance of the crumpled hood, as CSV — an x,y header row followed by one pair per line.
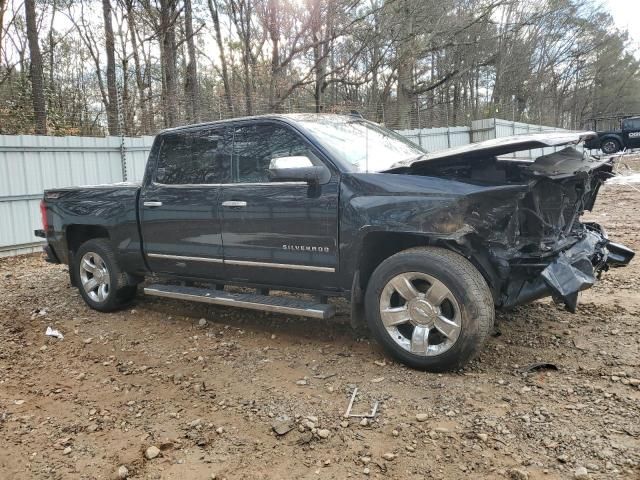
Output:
x,y
564,163
499,146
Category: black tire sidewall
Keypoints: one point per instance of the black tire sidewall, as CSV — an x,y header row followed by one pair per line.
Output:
x,y
471,335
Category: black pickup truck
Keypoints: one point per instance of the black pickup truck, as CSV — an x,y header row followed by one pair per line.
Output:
x,y
627,137
425,246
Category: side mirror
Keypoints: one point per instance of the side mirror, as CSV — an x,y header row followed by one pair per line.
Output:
x,y
297,169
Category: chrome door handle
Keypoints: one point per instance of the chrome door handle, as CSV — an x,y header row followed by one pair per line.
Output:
x,y
152,204
234,203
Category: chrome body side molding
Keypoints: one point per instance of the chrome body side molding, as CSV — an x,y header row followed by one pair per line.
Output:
x,y
244,263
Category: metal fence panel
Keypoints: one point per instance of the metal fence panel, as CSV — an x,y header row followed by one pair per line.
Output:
x,y
491,128
137,151
434,139
482,130
30,164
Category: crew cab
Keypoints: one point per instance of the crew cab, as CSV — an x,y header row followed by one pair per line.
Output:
x,y
425,246
627,137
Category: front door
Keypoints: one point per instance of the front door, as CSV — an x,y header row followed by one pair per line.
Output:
x,y
277,233
179,209
631,132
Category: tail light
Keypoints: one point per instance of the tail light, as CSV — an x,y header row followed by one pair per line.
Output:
x,y
43,215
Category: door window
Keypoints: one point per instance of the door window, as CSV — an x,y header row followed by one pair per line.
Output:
x,y
631,124
255,146
200,157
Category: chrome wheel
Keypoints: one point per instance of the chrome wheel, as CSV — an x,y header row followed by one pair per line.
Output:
x,y
94,277
420,313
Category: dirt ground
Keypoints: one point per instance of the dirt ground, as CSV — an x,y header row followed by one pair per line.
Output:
x,y
208,393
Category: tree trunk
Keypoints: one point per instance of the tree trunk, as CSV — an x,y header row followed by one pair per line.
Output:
x,y
455,108
112,92
405,69
126,105
136,65
321,72
37,82
146,126
150,89
213,9
319,57
3,8
405,87
246,59
191,84
274,35
168,60
374,97
52,45
501,54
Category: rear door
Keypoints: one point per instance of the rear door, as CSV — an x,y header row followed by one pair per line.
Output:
x,y
631,132
179,208
278,233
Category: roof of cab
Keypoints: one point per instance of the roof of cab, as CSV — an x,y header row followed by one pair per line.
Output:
x,y
287,117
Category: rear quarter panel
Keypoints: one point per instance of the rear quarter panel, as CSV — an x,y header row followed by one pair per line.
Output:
x,y
113,207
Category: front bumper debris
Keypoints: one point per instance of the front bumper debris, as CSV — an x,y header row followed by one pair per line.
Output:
x,y
619,255
572,270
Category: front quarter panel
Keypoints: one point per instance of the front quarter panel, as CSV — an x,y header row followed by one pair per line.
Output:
x,y
432,207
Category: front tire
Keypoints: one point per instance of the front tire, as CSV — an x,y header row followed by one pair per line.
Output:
x,y
610,145
101,282
430,308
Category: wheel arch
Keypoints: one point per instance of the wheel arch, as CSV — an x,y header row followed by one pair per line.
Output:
x,y
76,235
377,246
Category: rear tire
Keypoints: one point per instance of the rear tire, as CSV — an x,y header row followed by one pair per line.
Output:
x,y
445,320
100,281
610,145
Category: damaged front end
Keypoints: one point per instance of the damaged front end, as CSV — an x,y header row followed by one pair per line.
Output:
x,y
550,252
569,272
530,234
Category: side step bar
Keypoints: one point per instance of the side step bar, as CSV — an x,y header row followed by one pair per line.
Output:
x,y
265,303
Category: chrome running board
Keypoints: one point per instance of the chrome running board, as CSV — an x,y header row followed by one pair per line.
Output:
x,y
265,303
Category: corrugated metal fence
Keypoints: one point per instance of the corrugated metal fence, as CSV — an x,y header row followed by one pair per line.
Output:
x,y
30,164
434,139
495,128
490,128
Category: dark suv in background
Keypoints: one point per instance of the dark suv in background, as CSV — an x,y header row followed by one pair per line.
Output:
x,y
625,137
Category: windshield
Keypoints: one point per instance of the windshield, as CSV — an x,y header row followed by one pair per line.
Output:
x,y
361,145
